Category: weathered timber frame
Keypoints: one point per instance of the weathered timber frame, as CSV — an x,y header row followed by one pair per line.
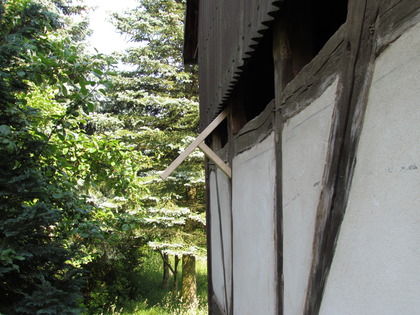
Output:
x,y
348,58
353,48
360,44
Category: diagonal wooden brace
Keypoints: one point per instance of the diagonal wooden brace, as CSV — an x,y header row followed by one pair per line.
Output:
x,y
199,142
215,159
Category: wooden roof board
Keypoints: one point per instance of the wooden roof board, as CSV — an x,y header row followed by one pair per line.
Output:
x,y
228,34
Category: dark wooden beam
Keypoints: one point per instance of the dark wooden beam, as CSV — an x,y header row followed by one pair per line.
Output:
x,y
357,64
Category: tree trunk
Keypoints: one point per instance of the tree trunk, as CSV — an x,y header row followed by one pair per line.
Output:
x,y
189,281
165,284
175,286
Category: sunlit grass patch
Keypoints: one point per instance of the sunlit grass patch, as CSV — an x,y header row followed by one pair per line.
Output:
x,y
156,301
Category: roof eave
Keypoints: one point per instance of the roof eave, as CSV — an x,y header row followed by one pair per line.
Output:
x,y
190,53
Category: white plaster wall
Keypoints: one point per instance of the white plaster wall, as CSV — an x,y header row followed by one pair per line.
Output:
x,y
376,268
254,230
221,260
304,146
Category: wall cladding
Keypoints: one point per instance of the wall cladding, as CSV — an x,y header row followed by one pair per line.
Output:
x,y
255,230
231,29
304,146
375,268
365,231
221,240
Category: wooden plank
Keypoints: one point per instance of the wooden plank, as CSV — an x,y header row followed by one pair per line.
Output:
x,y
255,130
215,159
358,66
201,137
234,27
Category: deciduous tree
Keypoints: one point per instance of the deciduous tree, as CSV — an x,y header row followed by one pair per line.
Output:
x,y
39,205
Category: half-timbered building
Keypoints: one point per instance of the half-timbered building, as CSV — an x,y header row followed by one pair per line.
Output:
x,y
313,108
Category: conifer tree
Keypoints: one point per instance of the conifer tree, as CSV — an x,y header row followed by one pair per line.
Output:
x,y
157,99
38,205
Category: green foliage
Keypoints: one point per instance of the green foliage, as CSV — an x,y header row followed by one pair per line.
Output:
x,y
149,115
157,100
154,300
159,69
160,96
116,278
40,205
80,197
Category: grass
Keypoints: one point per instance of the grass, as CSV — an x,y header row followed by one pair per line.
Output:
x,y
154,300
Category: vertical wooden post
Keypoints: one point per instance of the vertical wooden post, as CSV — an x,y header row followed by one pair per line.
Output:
x,y
175,285
165,284
282,75
189,279
292,50
292,42
282,58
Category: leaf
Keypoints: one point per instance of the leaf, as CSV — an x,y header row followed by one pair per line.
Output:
x,y
91,106
61,136
83,90
5,130
64,90
10,146
98,73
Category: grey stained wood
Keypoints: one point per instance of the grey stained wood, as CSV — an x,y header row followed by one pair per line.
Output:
x,y
255,130
371,27
357,73
231,29
227,41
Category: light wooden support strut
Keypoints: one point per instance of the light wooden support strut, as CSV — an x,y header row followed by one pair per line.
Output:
x,y
199,142
215,159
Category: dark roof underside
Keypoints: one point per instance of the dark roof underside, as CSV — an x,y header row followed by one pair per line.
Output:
x,y
191,32
221,36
